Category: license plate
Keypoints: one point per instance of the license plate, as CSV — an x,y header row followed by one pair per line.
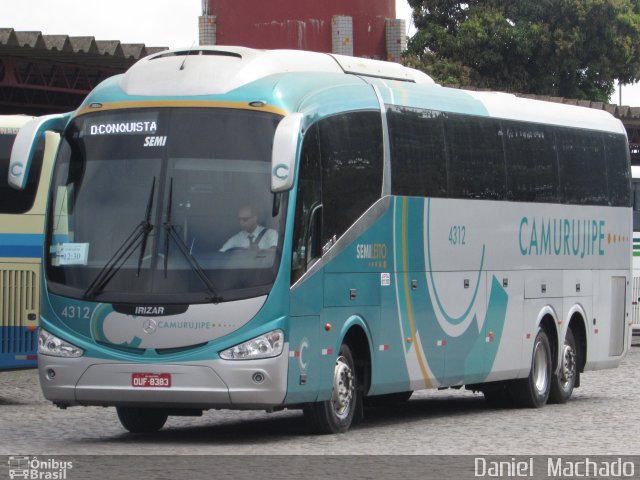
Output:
x,y
151,380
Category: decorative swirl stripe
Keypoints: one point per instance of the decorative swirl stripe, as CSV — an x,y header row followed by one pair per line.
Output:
x,y
416,343
442,311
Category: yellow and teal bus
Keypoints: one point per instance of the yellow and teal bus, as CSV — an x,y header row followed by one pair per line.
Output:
x,y
21,233
244,229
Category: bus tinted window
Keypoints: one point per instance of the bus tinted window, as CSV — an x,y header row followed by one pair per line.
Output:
x,y
459,156
306,237
636,204
583,171
532,164
18,201
617,157
418,155
351,151
476,159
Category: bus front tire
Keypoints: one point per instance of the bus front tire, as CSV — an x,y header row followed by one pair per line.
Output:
x,y
533,391
563,382
142,420
337,414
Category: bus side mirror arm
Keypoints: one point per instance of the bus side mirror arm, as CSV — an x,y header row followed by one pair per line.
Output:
x,y
285,151
26,143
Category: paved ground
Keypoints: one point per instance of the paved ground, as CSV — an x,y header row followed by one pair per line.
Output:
x,y
602,418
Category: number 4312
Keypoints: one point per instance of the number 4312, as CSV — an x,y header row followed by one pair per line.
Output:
x,y
76,312
457,235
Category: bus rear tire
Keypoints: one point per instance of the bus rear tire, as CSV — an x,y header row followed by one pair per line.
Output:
x,y
336,414
142,420
563,382
533,391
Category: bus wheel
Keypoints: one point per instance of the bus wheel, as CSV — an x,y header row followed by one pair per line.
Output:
x,y
533,391
336,414
142,420
562,383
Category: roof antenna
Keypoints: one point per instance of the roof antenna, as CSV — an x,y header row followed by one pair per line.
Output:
x,y
187,55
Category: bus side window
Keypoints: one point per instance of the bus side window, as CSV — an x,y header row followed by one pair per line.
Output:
x,y
418,152
306,230
352,164
583,169
532,162
476,158
636,205
618,171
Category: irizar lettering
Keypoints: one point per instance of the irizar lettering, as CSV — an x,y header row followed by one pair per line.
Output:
x,y
140,310
561,237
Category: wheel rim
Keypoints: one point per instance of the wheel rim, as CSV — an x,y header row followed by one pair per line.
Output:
x,y
568,369
540,369
343,388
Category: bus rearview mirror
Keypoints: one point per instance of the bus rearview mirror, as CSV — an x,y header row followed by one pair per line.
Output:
x,y
26,143
285,149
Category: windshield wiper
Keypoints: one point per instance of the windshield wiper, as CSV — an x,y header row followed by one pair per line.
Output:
x,y
147,227
184,249
137,238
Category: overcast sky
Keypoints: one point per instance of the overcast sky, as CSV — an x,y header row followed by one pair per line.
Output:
x,y
157,23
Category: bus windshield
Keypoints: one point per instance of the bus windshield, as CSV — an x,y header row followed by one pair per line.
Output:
x,y
169,205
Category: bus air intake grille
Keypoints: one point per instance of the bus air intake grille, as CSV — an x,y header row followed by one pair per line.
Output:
x,y
169,351
123,348
19,310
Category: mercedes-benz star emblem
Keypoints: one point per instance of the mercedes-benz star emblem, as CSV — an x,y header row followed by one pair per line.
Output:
x,y
150,326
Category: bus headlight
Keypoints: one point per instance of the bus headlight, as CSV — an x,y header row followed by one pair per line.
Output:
x,y
265,346
49,344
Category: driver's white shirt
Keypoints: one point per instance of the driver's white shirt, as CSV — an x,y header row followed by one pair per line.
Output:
x,y
241,239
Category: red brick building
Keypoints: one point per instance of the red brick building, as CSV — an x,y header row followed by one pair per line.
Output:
x,y
351,27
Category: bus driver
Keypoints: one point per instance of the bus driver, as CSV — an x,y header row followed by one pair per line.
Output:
x,y
251,235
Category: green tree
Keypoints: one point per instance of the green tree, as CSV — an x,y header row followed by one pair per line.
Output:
x,y
567,48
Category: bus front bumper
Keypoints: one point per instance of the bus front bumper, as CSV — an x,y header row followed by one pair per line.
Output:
x,y
252,384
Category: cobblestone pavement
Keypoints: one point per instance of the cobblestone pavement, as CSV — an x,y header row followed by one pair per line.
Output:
x,y
602,418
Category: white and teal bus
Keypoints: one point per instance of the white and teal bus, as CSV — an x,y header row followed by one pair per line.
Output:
x,y
21,227
418,237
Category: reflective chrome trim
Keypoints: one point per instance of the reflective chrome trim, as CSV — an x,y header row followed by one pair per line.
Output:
x,y
386,145
211,384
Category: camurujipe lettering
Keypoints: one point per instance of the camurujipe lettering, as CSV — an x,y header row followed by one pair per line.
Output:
x,y
187,325
561,237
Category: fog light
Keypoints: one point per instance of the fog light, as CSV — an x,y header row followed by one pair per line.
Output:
x,y
258,377
51,374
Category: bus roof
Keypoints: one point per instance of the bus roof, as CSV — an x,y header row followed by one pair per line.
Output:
x,y
218,70
222,72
